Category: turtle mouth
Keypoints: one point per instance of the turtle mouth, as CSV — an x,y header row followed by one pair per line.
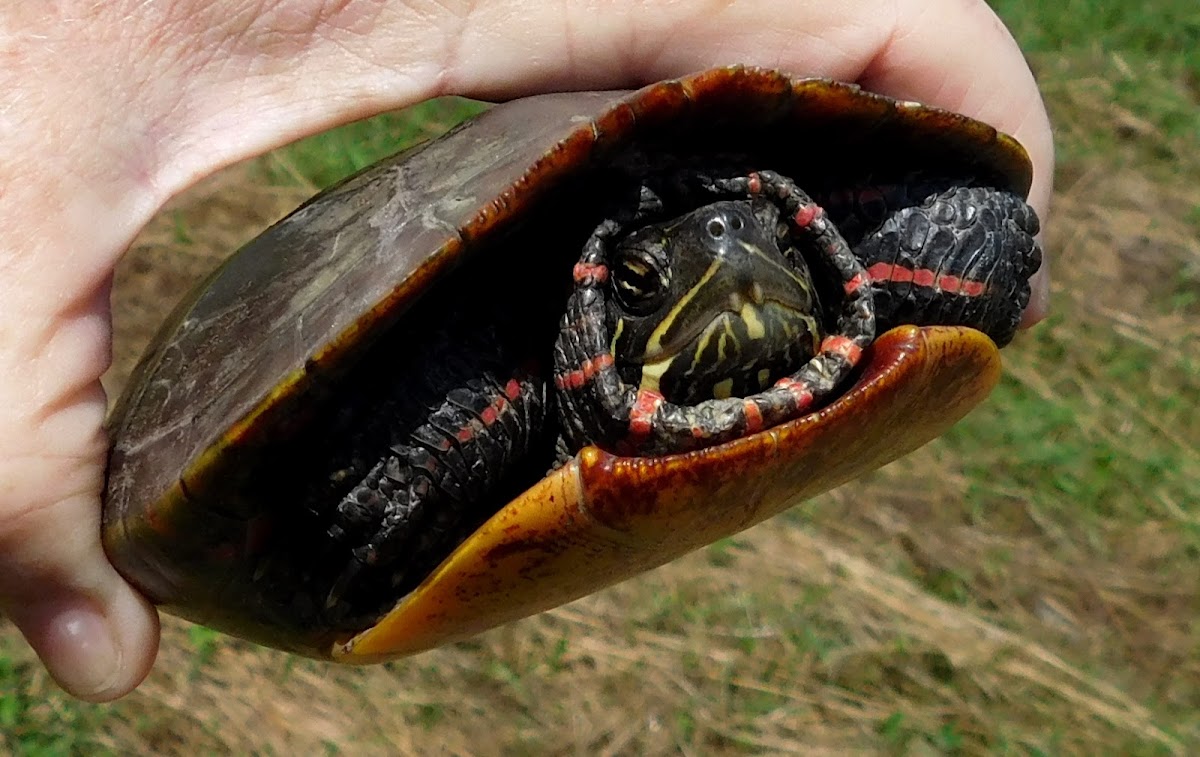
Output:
x,y
724,313
751,313
740,351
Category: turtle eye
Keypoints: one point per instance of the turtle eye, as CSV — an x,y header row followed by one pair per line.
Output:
x,y
639,281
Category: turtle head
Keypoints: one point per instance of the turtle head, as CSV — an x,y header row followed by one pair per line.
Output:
x,y
707,305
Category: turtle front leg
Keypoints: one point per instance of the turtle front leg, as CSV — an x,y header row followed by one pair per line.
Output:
x,y
942,252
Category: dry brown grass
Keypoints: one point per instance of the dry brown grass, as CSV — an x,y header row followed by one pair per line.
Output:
x,y
963,599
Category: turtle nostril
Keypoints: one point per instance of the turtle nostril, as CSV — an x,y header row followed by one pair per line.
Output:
x,y
735,223
716,228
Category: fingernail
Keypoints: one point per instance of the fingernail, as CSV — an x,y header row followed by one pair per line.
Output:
x,y
81,654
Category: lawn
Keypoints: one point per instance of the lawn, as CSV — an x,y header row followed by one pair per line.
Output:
x,y
1027,584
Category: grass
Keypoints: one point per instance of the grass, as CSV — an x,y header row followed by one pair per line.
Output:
x,y
1025,585
1141,59
326,158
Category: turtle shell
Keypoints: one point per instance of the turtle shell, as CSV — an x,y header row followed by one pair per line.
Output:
x,y
276,330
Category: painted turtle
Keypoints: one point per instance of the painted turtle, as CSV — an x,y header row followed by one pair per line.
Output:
x,y
572,339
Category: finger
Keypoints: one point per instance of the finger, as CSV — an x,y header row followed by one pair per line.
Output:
x,y
95,634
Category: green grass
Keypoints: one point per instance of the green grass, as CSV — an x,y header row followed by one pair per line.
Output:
x,y
1164,31
1140,59
37,720
327,158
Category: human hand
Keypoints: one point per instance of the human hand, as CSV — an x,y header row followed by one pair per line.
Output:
x,y
111,108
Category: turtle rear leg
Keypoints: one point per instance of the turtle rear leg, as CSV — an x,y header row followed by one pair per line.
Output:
x,y
438,484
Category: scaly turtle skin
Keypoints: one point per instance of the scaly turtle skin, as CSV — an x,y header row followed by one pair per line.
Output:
x,y
340,443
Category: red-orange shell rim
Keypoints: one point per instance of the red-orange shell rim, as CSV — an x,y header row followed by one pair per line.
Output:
x,y
596,521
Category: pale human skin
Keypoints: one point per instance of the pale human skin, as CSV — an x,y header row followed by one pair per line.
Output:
x,y
109,108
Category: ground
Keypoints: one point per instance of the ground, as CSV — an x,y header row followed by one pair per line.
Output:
x,y
1025,584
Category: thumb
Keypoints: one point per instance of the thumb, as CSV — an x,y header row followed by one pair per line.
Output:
x,y
93,631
